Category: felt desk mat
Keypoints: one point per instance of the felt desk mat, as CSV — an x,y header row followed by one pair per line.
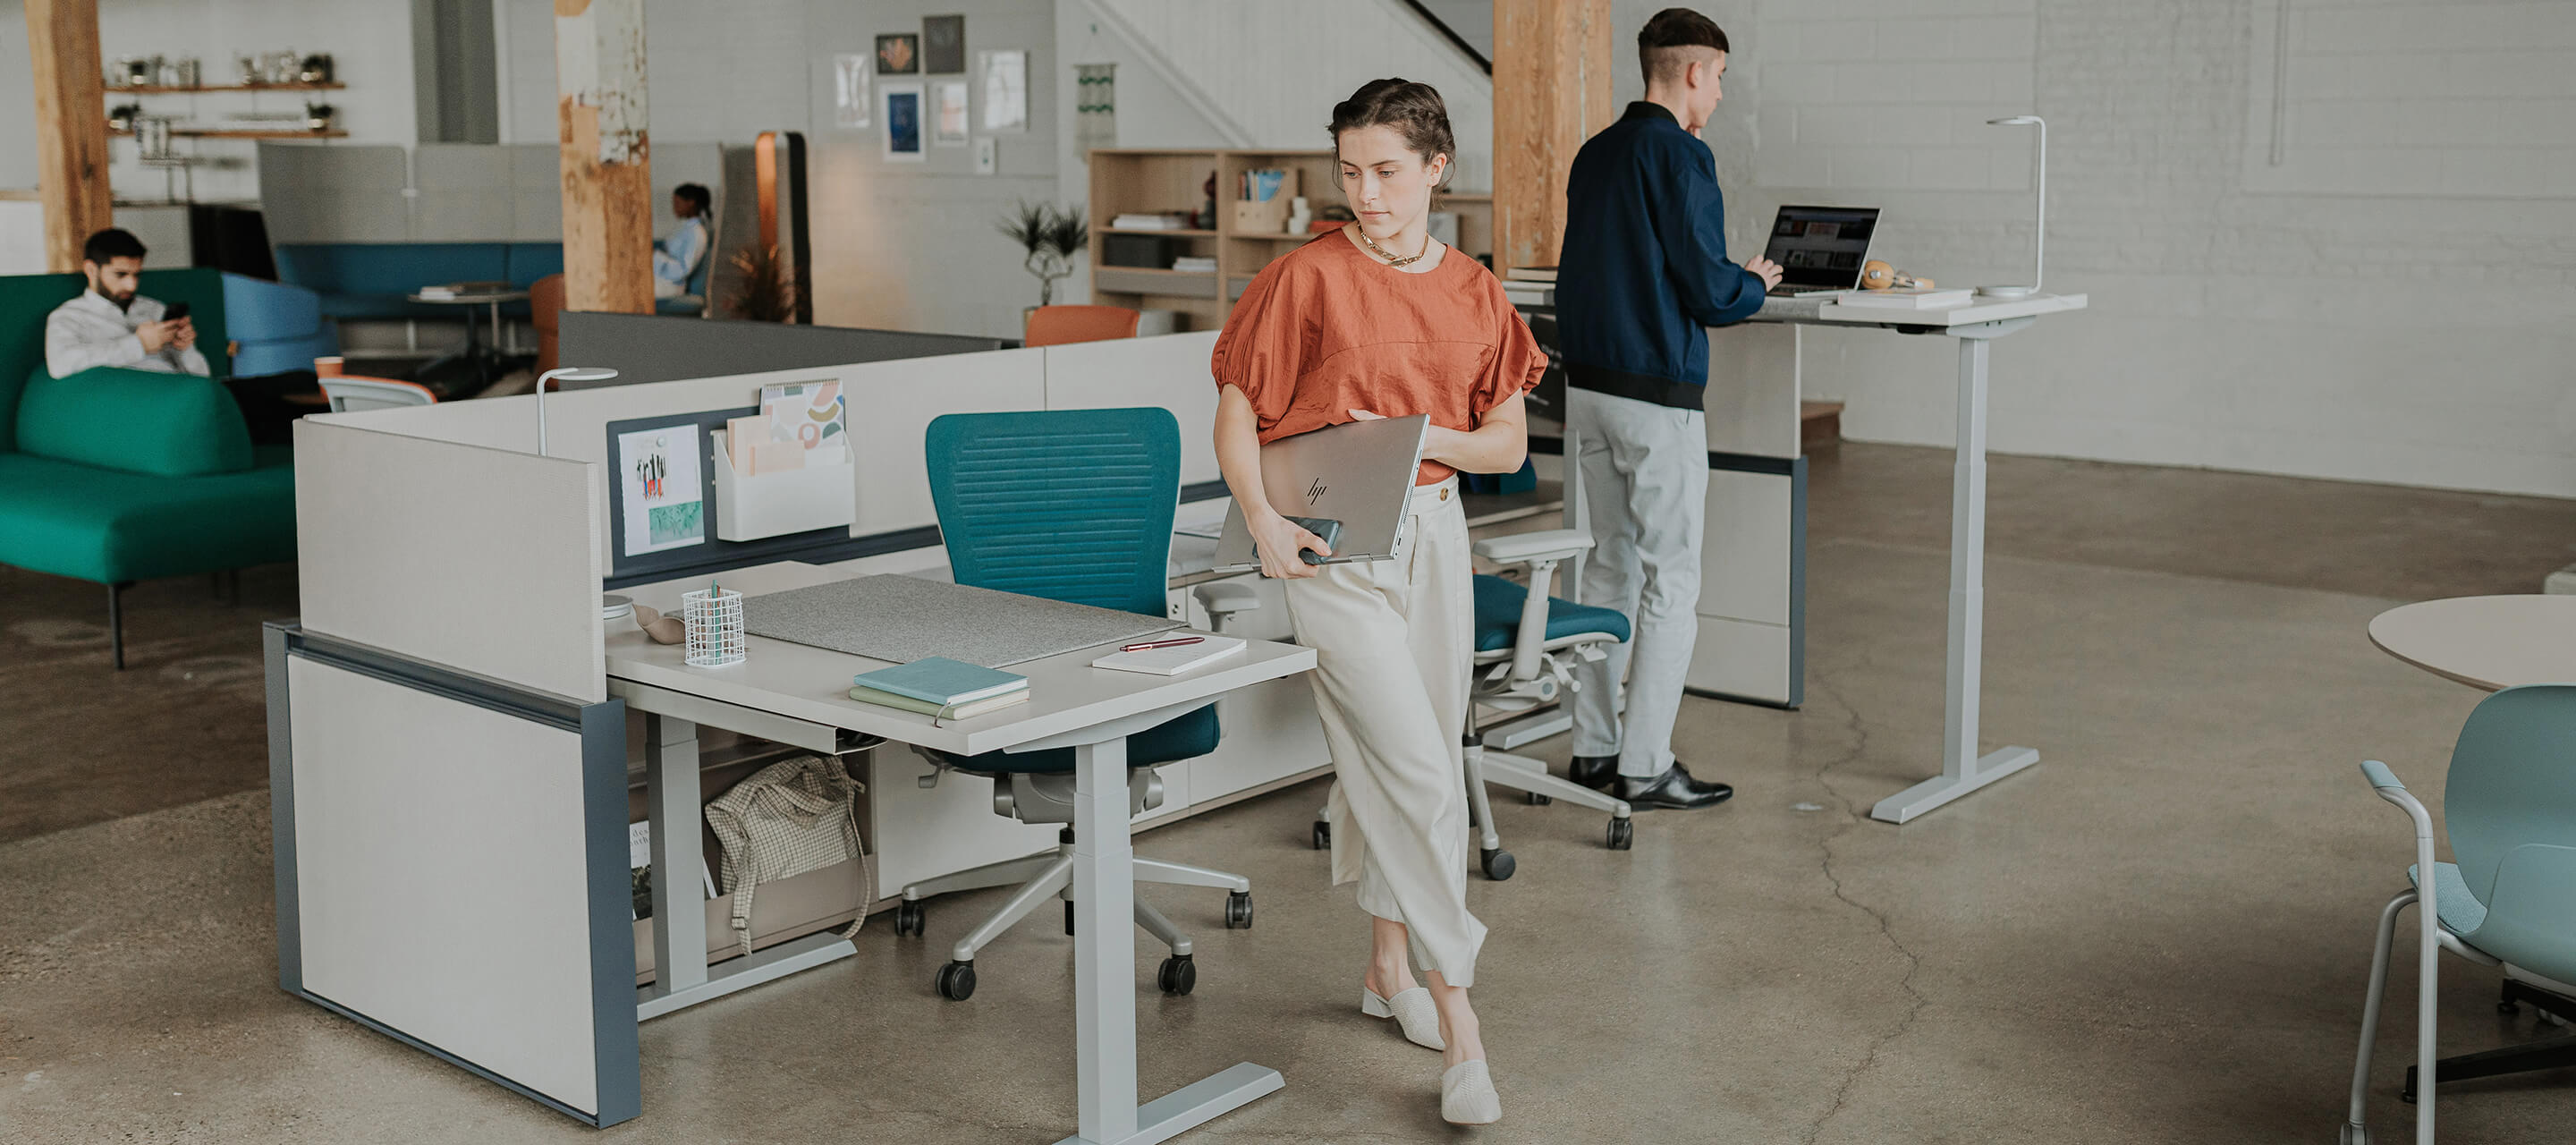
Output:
x,y
905,618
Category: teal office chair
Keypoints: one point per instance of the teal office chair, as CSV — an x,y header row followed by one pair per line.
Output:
x,y
1524,643
1075,506
2510,901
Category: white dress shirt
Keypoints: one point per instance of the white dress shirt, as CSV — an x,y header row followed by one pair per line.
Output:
x,y
91,331
677,257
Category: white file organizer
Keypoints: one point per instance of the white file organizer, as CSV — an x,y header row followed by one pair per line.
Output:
x,y
822,495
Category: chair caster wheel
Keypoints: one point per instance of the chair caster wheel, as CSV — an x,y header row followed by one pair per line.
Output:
x,y
1179,975
1538,800
1323,835
1499,865
910,919
957,981
1623,834
1238,910
2507,1009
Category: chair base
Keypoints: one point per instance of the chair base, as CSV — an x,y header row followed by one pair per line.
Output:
x,y
1518,773
2548,1053
1050,875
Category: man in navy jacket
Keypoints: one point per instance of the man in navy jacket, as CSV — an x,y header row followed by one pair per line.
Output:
x,y
1643,274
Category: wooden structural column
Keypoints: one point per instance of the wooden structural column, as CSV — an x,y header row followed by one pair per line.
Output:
x,y
1552,61
71,126
607,161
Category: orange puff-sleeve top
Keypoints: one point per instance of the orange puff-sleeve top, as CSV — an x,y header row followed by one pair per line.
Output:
x,y
1326,329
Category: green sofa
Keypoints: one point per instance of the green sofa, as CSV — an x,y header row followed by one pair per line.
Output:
x,y
115,475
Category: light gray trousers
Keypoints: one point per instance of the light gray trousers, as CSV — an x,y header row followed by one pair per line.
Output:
x,y
1644,470
1392,642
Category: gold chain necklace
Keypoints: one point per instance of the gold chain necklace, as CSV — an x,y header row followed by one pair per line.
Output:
x,y
1392,260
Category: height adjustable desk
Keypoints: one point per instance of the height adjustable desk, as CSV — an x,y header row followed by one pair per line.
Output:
x,y
795,694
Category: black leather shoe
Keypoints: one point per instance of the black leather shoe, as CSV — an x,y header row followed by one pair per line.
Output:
x,y
1674,790
1597,772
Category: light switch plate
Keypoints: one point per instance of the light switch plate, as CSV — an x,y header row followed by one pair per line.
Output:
x,y
987,156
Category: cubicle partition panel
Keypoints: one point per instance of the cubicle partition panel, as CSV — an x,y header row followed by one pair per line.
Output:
x,y
1170,372
665,348
447,773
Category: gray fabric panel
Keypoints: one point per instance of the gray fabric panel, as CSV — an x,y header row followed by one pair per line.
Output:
x,y
903,619
654,348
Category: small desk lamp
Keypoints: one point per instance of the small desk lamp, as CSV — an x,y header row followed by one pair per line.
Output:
x,y
2039,244
569,374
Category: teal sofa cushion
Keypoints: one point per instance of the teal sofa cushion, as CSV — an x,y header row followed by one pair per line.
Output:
x,y
134,421
102,525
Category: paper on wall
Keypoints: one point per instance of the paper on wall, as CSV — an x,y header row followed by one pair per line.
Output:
x,y
664,492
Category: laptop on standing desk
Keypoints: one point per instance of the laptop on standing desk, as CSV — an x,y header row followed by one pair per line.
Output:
x,y
1359,473
1820,249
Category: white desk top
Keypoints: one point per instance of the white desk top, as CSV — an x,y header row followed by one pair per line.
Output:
x,y
1974,311
2489,642
813,684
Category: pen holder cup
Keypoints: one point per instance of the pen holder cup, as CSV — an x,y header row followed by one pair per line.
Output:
x,y
715,627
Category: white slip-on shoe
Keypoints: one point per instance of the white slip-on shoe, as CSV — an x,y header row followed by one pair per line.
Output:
x,y
1467,1095
1412,1011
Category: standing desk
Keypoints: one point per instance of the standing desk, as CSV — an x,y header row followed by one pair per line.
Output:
x,y
1752,605
795,694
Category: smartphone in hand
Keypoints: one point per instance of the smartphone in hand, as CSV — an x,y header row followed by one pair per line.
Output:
x,y
1325,529
175,312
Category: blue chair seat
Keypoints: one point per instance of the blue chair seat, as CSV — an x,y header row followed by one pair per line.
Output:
x,y
1182,737
1498,615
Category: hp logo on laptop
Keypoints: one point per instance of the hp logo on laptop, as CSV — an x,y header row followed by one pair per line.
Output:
x,y
1315,492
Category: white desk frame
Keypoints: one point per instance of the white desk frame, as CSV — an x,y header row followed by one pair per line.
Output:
x,y
1072,705
1963,771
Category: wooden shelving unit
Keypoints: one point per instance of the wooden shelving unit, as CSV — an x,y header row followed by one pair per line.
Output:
x,y
209,89
1139,180
245,133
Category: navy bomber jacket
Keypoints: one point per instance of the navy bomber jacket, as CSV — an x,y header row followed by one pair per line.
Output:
x,y
1644,272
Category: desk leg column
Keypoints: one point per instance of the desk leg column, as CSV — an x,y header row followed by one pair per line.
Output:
x,y
679,902
1962,770
1104,953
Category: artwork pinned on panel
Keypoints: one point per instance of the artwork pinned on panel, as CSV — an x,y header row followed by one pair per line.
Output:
x,y
943,44
948,102
1006,91
851,84
899,54
903,127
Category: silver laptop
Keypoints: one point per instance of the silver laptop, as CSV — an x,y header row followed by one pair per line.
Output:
x,y
1360,474
1820,249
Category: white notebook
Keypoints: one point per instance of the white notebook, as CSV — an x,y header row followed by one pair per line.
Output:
x,y
1172,661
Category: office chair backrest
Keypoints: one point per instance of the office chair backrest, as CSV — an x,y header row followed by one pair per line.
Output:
x,y
351,394
1057,325
2509,807
1070,505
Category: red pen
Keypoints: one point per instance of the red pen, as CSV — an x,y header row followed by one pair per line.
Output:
x,y
1161,644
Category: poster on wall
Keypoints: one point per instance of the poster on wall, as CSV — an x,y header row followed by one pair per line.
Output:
x,y
903,126
948,102
943,44
665,497
852,106
1006,91
1095,106
899,54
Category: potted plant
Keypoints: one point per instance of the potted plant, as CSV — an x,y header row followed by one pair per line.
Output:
x,y
1051,236
768,291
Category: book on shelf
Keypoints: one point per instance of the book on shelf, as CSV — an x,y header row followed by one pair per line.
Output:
x,y
1166,221
941,681
1530,274
961,711
1194,265
1939,298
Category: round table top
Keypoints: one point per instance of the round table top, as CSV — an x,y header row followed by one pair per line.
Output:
x,y
2488,642
484,298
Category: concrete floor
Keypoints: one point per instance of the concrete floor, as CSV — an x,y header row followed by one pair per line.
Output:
x,y
2159,934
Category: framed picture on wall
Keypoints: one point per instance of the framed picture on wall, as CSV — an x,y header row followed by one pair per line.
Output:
x,y
1006,91
852,88
903,121
943,44
948,113
899,54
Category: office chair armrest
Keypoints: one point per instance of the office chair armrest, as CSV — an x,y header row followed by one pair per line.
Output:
x,y
1524,548
1223,599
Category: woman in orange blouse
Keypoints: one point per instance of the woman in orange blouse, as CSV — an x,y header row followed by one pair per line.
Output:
x,y
1379,320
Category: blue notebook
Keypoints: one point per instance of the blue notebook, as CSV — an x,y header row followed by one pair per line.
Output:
x,y
940,680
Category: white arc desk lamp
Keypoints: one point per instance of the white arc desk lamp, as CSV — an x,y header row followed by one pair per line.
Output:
x,y
2039,243
569,374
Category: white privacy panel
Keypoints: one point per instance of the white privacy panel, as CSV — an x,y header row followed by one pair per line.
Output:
x,y
474,558
442,877
1169,372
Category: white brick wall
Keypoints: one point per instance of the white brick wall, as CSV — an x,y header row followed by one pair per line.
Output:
x,y
2390,304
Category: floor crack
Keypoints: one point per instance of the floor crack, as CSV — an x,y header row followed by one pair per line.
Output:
x,y
1860,734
